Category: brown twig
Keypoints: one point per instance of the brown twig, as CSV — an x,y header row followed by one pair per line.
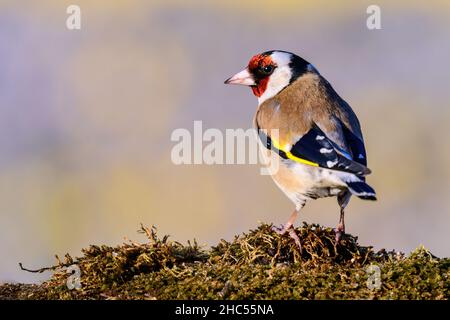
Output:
x,y
61,265
37,270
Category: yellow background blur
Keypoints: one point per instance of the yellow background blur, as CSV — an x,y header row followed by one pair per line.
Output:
x,y
86,118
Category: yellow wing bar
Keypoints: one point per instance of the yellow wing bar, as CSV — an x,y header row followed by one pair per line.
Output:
x,y
292,157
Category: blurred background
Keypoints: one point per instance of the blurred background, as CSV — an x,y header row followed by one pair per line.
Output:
x,y
86,118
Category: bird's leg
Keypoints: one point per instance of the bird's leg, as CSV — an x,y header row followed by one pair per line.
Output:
x,y
284,228
340,230
343,199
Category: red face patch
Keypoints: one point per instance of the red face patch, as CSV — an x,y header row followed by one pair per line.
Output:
x,y
257,63
259,89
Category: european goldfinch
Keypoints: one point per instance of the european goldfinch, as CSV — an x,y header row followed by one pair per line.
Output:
x,y
319,143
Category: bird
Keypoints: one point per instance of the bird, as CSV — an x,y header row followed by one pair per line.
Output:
x,y
318,143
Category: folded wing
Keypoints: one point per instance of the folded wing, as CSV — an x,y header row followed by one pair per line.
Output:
x,y
316,149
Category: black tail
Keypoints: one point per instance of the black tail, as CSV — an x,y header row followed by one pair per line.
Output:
x,y
362,190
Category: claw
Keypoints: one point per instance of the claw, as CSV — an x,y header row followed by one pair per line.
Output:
x,y
294,236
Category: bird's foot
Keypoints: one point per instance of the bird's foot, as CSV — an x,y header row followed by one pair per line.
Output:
x,y
281,230
340,231
296,239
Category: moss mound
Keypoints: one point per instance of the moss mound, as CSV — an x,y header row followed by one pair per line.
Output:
x,y
259,264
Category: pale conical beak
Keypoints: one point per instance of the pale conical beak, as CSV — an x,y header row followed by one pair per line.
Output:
x,y
244,78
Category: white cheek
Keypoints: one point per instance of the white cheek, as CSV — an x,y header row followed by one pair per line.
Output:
x,y
278,80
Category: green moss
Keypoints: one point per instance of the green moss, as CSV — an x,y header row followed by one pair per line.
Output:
x,y
257,265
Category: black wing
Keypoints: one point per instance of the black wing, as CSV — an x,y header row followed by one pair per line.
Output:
x,y
355,144
316,147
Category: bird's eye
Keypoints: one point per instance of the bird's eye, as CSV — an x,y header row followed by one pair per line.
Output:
x,y
267,69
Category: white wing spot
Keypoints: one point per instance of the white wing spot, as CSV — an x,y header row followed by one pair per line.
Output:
x,y
325,150
331,164
320,137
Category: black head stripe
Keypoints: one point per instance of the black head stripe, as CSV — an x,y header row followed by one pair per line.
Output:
x,y
299,67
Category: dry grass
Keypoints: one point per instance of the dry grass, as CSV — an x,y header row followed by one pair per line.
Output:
x,y
257,265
